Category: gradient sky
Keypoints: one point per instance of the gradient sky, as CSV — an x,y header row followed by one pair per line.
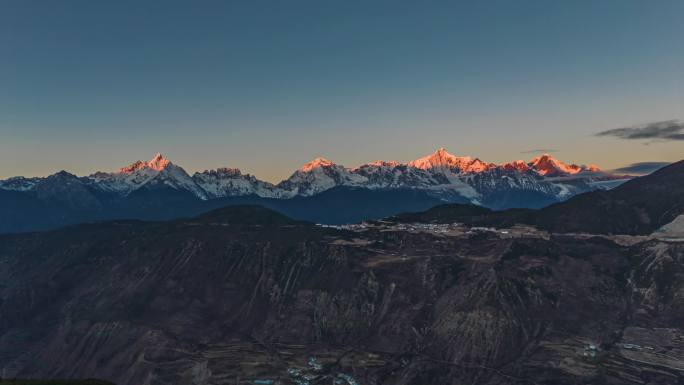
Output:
x,y
267,85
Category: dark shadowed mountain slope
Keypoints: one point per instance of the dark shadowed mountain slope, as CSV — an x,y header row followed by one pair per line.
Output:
x,y
446,213
68,191
639,206
350,205
22,211
244,295
334,206
247,215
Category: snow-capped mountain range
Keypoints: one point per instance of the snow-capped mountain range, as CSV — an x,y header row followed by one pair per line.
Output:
x,y
449,177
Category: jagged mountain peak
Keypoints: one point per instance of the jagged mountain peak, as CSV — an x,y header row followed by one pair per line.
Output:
x,y
157,163
63,174
137,165
316,163
442,159
380,163
225,181
547,165
319,175
545,157
516,165
444,175
223,171
158,171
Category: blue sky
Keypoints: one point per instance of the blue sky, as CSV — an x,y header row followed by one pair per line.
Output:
x,y
268,85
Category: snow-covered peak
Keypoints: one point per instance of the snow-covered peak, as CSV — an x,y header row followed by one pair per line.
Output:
x,y
133,167
516,165
440,173
442,159
224,182
379,164
158,171
157,163
316,163
319,175
476,165
547,165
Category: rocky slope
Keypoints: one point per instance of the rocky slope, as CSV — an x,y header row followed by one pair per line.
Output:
x,y
247,296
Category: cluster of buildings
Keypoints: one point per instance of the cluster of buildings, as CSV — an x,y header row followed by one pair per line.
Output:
x,y
453,229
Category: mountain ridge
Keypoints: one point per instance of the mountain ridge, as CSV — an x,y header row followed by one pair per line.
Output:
x,y
443,173
160,189
637,207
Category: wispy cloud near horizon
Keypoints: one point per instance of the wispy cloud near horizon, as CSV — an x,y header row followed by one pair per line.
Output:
x,y
641,168
657,131
536,151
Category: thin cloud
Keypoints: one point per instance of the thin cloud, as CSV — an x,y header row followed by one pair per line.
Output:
x,y
536,151
641,168
661,131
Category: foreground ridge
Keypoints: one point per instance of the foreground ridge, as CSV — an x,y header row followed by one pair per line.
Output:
x,y
247,295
